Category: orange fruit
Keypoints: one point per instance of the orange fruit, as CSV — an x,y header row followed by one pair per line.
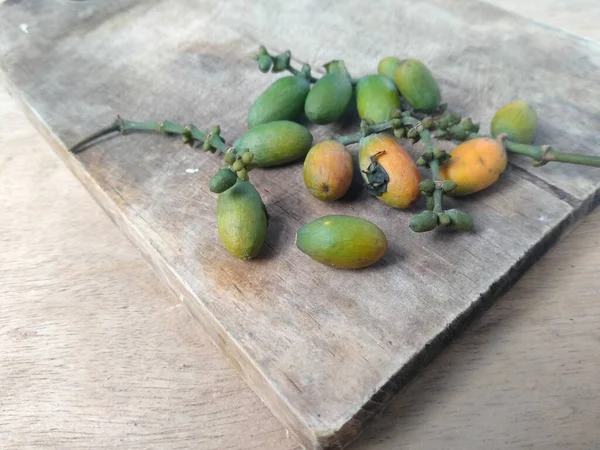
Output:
x,y
328,170
475,165
403,185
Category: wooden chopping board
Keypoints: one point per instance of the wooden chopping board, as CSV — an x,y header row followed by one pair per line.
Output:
x,y
324,349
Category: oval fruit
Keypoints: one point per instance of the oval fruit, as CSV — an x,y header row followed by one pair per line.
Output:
x,y
275,143
328,170
474,165
388,66
328,99
222,180
283,100
403,176
343,242
418,86
376,98
518,120
242,220
424,221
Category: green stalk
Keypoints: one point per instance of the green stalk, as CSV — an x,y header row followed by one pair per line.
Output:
x,y
190,133
545,154
434,166
365,131
299,73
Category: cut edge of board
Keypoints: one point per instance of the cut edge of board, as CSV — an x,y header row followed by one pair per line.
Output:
x,y
286,413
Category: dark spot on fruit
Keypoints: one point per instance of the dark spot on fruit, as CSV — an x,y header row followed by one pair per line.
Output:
x,y
325,188
481,160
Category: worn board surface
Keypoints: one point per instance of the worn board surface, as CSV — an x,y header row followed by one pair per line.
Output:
x,y
324,349
523,376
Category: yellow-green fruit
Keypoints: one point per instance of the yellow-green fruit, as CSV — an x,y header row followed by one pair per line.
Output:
x,y
388,66
242,220
474,165
418,86
328,99
376,98
283,100
328,170
403,186
343,242
518,120
276,143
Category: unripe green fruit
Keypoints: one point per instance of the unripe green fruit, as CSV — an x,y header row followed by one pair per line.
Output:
x,y
276,143
425,221
427,186
328,99
460,220
418,86
343,242
388,66
283,100
247,157
376,98
264,63
229,157
237,165
242,220
516,119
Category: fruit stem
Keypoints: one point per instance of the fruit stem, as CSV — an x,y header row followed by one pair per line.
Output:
x,y
280,63
190,133
367,130
434,166
545,154
299,73
434,158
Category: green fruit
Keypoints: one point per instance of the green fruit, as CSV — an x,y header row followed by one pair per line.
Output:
x,y
242,174
425,221
247,157
222,180
229,157
444,219
343,242
276,143
448,186
427,187
264,63
376,98
242,220
388,66
460,220
518,120
237,165
418,86
328,99
283,100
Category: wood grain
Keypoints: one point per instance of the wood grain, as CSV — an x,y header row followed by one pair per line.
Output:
x,y
94,351
532,392
574,16
513,182
523,375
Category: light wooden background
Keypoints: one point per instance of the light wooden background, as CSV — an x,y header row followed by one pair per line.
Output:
x,y
95,353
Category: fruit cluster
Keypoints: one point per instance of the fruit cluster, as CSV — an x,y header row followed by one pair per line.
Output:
x,y
403,100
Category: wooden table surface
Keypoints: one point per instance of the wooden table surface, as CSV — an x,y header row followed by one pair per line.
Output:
x,y
95,353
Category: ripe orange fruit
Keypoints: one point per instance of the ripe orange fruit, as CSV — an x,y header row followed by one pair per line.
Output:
x,y
403,185
328,170
475,165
